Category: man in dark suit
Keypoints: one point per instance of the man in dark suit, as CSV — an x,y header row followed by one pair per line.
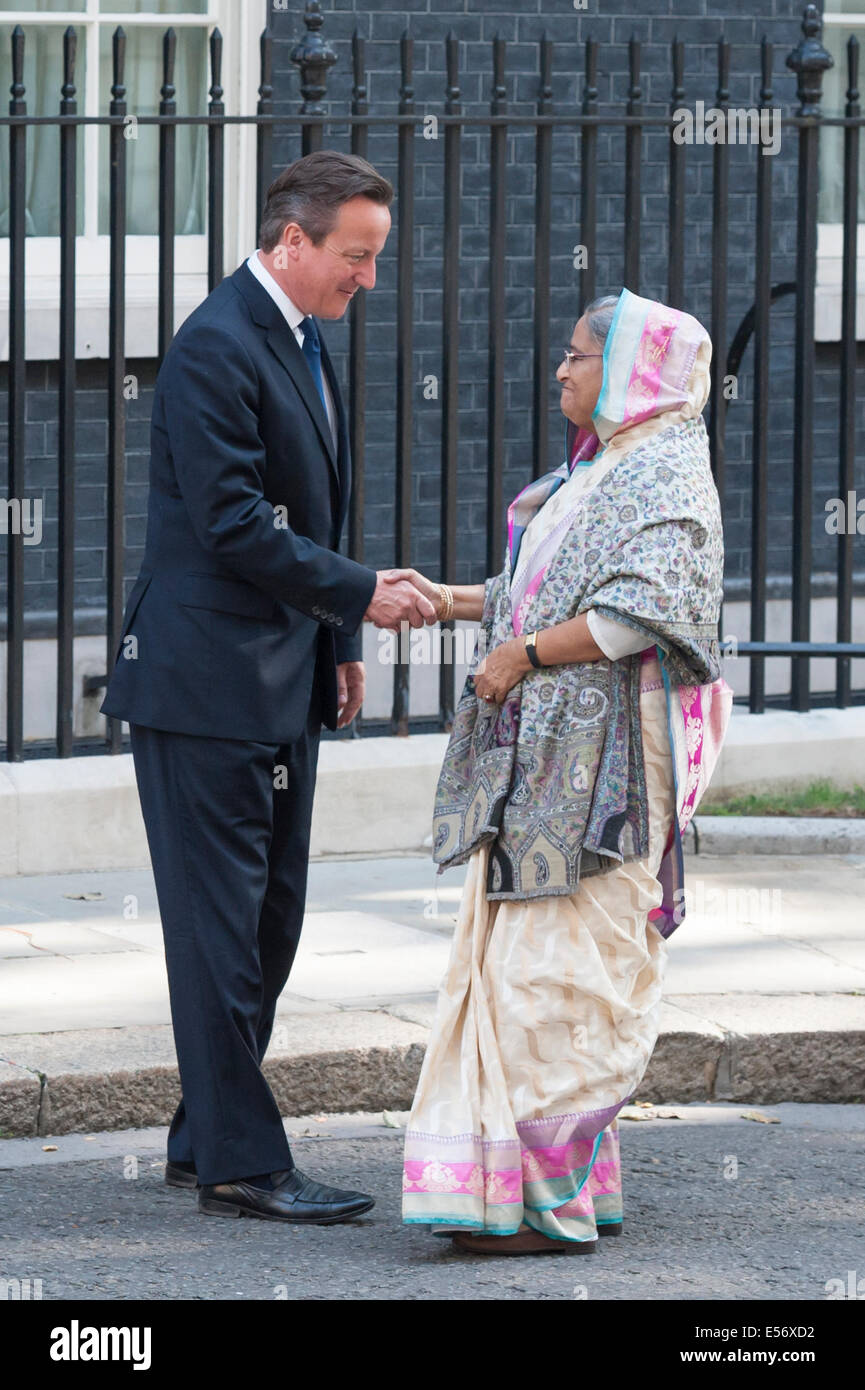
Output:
x,y
241,636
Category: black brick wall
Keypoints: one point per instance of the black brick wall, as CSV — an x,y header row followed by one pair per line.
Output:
x,y
91,442
700,23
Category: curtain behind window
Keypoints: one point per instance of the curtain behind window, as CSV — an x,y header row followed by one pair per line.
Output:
x,y
832,137
143,80
43,79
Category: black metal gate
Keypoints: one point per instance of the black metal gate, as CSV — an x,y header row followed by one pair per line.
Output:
x,y
314,57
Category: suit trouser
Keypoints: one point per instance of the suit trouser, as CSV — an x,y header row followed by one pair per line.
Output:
x,y
228,826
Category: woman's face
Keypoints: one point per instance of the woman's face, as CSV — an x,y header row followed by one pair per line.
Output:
x,y
581,380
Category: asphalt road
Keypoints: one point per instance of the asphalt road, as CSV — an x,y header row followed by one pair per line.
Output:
x,y
93,1220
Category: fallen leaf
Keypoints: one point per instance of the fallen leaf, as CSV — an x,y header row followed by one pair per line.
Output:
x,y
758,1115
49,1148
28,937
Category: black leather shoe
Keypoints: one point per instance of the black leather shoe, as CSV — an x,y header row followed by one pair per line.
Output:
x,y
179,1177
295,1198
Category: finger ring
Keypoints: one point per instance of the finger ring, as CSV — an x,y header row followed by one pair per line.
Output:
x,y
488,699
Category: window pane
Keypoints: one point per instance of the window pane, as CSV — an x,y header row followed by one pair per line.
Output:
x,y
143,80
832,137
47,6
153,6
43,79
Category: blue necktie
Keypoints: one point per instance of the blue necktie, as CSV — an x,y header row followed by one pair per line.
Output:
x,y
312,353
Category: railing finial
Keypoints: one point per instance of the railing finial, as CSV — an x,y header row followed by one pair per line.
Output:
x,y
313,56
67,91
809,60
17,90
117,105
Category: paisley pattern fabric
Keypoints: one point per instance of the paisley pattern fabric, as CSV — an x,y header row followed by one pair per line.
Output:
x,y
545,1023
567,803
552,779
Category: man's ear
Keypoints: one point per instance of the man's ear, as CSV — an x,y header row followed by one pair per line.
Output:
x,y
290,244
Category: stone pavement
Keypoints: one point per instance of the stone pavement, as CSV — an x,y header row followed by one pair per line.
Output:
x,y
716,1206
765,991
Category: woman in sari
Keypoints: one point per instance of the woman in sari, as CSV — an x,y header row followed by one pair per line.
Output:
x,y
585,735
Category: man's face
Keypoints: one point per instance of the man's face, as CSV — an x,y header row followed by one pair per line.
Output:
x,y
323,279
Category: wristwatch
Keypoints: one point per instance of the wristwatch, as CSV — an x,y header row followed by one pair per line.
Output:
x,y
531,649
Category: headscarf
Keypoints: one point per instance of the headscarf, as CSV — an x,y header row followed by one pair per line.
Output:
x,y
655,374
656,363
553,778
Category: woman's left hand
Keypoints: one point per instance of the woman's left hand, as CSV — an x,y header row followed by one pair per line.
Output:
x,y
501,670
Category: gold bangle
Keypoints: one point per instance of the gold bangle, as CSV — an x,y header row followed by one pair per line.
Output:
x,y
447,598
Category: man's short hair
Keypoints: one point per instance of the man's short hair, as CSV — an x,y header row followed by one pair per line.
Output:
x,y
311,191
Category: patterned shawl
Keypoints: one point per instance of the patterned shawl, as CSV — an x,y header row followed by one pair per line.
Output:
x,y
553,778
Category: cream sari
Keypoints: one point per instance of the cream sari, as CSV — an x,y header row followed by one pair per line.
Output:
x,y
548,1012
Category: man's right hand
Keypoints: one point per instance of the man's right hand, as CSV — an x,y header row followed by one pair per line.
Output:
x,y
396,601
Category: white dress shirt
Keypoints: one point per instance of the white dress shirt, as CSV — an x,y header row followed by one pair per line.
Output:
x,y
293,318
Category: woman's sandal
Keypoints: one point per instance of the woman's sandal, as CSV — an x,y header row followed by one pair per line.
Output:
x,y
520,1243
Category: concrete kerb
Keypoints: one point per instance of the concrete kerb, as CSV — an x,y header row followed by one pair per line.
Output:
x,y
728,835
751,1049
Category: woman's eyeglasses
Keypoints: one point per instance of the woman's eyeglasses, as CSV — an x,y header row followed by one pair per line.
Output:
x,y
571,356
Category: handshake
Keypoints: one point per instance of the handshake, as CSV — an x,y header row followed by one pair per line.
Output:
x,y
403,596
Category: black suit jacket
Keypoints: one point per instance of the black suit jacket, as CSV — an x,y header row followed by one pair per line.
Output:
x,y
242,599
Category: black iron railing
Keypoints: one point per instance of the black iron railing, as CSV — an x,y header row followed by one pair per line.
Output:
x,y
314,57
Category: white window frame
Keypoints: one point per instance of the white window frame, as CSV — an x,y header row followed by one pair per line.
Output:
x,y
830,242
240,23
